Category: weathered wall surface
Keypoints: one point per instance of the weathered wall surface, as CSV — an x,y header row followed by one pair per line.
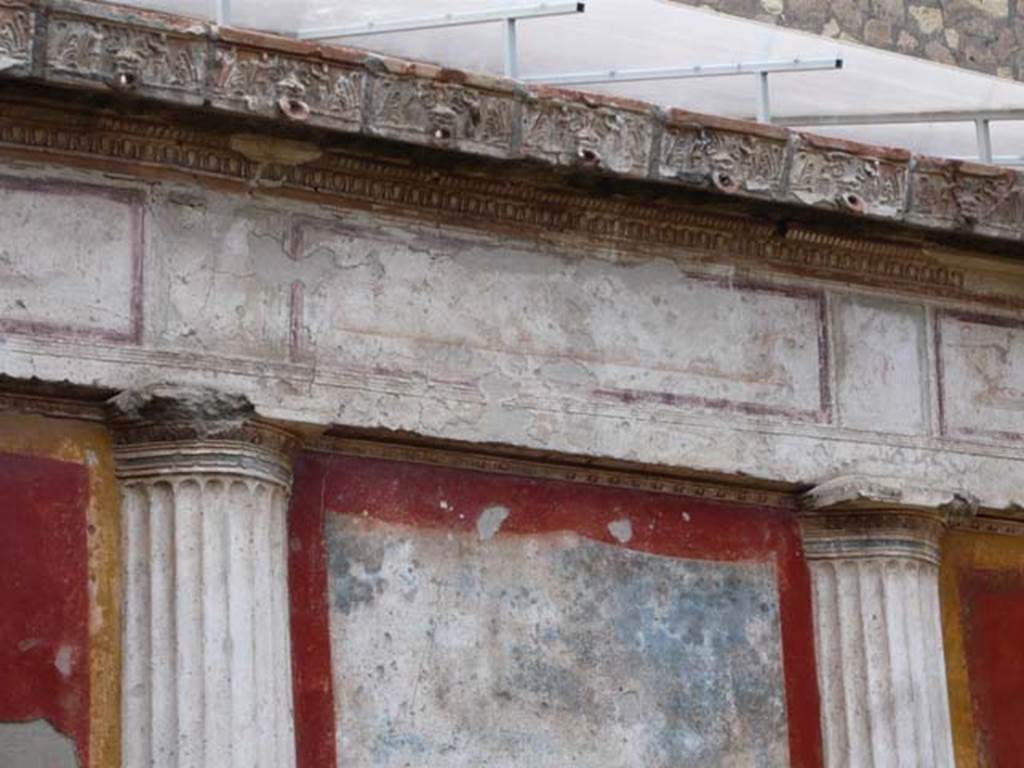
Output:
x,y
983,618
984,35
59,613
693,356
481,619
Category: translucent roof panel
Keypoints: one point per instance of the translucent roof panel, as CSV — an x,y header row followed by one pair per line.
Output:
x,y
627,34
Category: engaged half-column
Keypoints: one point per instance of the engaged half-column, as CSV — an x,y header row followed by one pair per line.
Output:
x,y
207,660
873,553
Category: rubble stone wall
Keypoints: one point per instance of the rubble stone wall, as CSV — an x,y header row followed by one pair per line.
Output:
x,y
983,35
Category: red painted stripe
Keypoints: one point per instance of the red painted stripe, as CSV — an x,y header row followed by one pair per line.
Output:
x,y
993,616
310,632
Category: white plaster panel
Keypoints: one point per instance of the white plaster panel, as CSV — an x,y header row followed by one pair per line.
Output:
x,y
506,322
68,259
981,363
221,276
454,650
880,365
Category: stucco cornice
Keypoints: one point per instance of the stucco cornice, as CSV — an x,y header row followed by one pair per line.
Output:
x,y
191,63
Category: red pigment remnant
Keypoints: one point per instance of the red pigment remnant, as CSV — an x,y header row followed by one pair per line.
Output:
x,y
310,632
442,498
994,625
44,604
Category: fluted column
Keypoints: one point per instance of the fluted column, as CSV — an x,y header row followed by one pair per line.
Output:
x,y
873,551
207,660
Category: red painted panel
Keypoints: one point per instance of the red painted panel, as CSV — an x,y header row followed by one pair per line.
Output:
x,y
994,606
44,604
412,494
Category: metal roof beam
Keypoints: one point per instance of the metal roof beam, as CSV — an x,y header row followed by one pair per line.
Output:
x,y
894,118
465,18
680,73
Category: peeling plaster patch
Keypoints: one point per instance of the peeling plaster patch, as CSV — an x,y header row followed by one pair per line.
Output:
x,y
63,659
490,520
621,530
35,744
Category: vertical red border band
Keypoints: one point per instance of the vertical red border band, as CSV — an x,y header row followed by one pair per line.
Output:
x,y
312,687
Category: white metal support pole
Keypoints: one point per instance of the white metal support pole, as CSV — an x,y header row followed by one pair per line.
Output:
x,y
446,20
682,73
981,128
511,54
764,107
220,10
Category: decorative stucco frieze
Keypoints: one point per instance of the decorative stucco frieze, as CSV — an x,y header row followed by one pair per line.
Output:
x,y
849,177
177,60
16,40
443,114
96,52
570,129
274,84
979,198
518,206
725,155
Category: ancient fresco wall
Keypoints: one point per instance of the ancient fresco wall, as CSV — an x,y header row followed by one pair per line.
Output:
x,y
983,616
59,614
783,361
464,618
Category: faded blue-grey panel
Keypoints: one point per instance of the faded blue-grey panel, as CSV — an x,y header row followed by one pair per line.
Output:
x,y
546,651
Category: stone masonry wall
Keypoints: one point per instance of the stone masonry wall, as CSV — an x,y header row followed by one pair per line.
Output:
x,y
983,35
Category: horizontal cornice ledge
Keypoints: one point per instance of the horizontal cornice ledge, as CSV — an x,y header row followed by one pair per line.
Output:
x,y
192,63
872,492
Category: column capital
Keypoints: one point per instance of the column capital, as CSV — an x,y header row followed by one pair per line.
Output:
x,y
858,516
169,429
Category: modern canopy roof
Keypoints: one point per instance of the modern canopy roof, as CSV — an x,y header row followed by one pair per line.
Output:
x,y
629,34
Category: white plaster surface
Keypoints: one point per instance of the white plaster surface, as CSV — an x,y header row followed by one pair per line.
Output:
x,y
462,308
331,316
66,259
889,340
983,383
548,651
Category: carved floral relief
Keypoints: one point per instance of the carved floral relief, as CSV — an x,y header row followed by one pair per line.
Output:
x,y
611,139
992,202
844,180
301,89
15,35
442,112
733,161
125,57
